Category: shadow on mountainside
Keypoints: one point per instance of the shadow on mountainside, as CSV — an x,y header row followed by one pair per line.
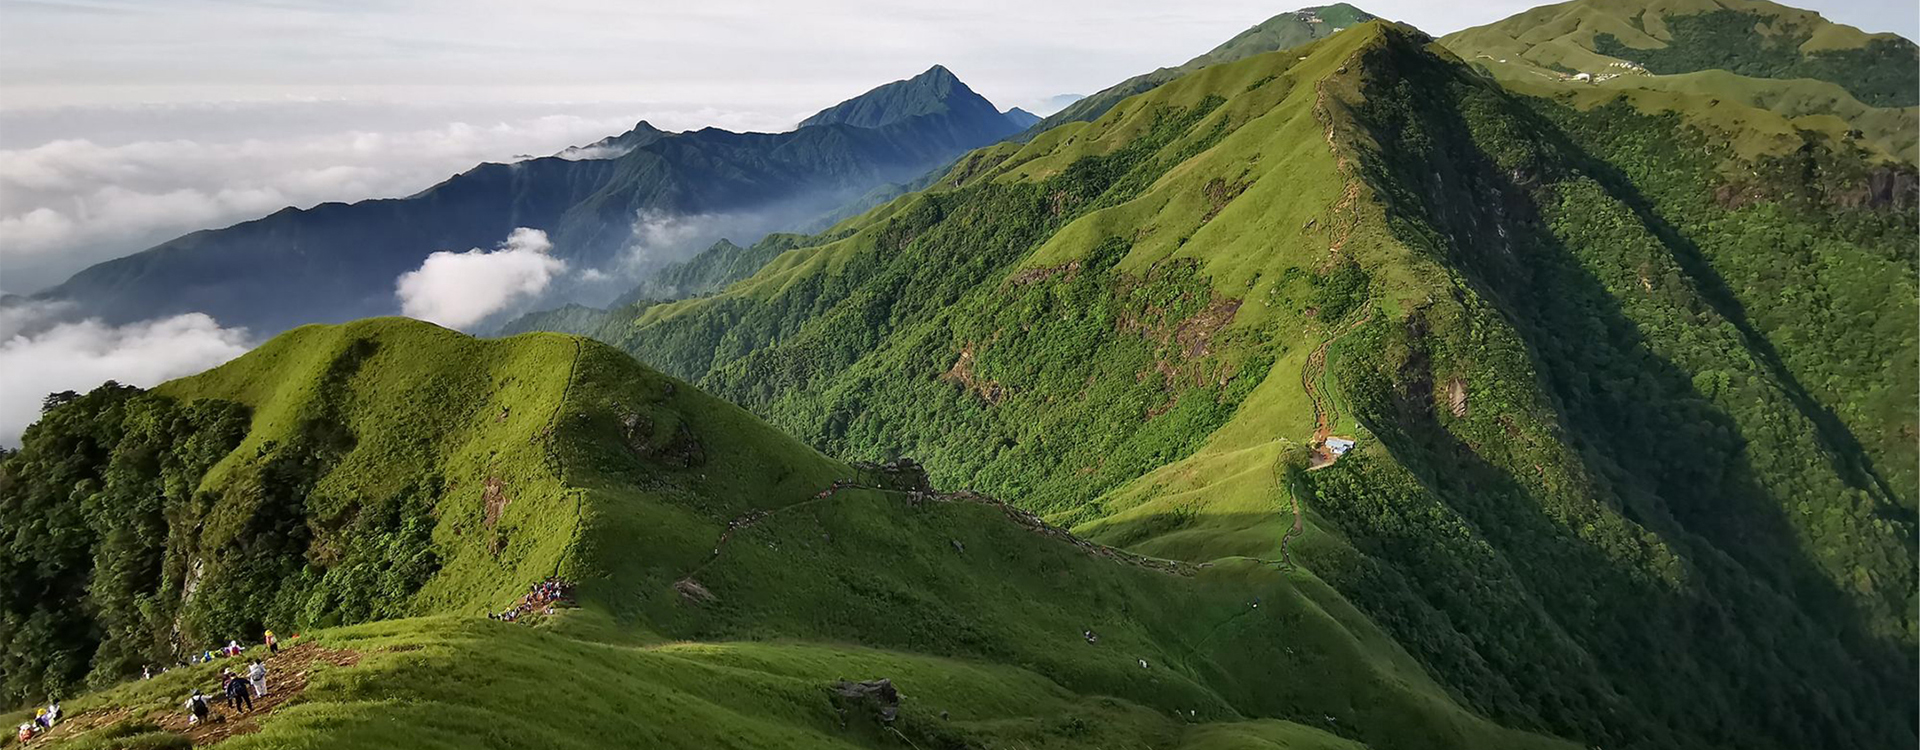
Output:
x,y
1746,621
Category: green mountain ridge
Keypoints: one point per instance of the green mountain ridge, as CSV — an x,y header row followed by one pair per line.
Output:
x,y
1824,76
1628,370
1283,31
559,456
1123,349
1747,37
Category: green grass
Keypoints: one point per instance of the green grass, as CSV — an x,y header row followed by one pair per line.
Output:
x,y
1281,32
1007,666
420,400
1612,299
864,586
1108,324
1801,72
969,611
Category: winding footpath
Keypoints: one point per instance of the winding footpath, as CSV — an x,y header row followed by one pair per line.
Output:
x,y
1312,380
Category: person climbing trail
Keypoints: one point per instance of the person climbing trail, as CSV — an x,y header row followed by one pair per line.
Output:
x,y
237,694
257,676
197,708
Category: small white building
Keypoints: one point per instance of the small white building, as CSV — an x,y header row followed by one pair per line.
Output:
x,y
1339,446
1582,77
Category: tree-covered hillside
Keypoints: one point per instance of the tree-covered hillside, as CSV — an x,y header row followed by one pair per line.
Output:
x,y
723,573
333,475
1600,360
1359,394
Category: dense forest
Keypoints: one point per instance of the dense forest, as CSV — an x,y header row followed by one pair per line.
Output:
x,y
117,526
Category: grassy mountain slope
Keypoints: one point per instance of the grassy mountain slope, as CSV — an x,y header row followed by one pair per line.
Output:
x,y
721,592
1800,104
1283,31
1584,381
337,262
1819,75
336,473
1747,37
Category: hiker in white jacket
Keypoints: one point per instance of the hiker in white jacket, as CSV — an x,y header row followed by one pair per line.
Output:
x,y
257,674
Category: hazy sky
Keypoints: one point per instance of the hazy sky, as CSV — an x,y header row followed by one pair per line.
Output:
x,y
757,54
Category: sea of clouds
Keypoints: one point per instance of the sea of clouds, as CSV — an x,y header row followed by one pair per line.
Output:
x,y
79,185
83,184
72,202
44,350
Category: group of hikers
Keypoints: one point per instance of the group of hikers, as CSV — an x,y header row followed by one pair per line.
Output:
x,y
540,597
232,649
238,690
43,720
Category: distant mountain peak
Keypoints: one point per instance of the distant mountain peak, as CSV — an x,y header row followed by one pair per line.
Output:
x,y
613,146
935,91
1283,31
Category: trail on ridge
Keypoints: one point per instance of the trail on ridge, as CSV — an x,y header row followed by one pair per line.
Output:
x,y
1313,374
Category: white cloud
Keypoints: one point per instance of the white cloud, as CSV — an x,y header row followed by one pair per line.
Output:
x,y
69,203
40,355
459,290
596,151
35,230
664,236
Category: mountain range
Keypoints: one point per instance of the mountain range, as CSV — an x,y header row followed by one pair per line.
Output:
x,y
1370,392
336,261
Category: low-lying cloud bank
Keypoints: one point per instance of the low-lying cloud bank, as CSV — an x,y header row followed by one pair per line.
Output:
x,y
40,354
69,203
459,290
